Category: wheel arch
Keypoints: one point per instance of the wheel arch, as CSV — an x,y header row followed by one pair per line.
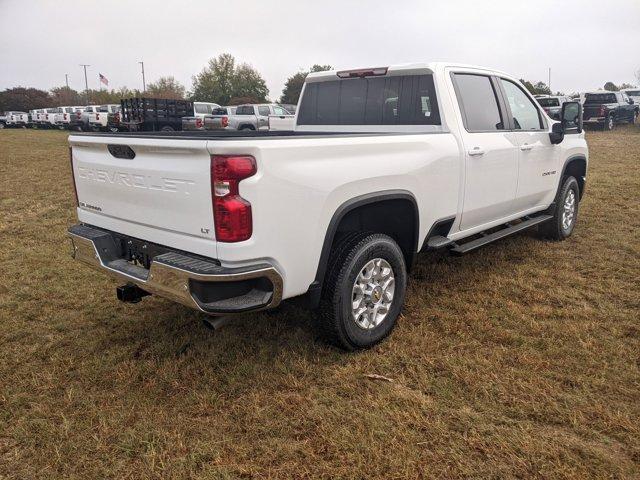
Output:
x,y
576,166
348,210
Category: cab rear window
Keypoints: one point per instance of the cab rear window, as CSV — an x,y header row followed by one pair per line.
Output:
x,y
548,102
394,100
600,98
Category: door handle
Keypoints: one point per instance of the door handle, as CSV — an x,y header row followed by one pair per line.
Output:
x,y
476,152
526,147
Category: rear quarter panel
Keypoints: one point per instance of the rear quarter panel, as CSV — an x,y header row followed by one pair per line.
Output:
x,y
301,182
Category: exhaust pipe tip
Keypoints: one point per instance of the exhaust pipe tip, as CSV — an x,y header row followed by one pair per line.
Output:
x,y
130,293
216,323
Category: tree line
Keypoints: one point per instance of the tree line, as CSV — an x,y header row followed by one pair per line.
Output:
x,y
541,88
223,81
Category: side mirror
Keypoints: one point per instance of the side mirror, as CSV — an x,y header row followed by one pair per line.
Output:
x,y
631,102
557,133
571,117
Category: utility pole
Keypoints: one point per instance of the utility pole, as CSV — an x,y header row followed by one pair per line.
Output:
x,y
66,79
86,83
144,85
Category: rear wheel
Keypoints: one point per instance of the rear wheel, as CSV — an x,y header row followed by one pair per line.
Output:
x,y
167,129
363,292
565,213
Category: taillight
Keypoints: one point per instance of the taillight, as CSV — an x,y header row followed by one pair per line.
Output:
x,y
224,121
116,117
97,116
73,176
231,212
64,116
78,114
198,123
46,117
602,110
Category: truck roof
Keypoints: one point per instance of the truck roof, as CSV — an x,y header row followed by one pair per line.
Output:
x,y
403,69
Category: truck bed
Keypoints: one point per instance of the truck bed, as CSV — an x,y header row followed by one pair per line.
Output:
x,y
237,134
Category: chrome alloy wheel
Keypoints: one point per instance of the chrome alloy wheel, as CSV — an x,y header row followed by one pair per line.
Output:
x,y
372,293
568,210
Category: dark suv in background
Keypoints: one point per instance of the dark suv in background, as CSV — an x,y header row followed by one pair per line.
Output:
x,y
607,109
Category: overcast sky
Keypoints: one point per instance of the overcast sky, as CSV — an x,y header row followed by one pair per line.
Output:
x,y
586,43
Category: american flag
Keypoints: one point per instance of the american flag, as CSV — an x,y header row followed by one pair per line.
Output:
x,y
103,79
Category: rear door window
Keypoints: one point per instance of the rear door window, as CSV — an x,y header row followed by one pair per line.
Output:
x,y
245,110
201,109
393,100
263,110
478,102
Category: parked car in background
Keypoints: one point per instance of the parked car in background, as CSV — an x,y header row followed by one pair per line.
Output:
x,y
10,119
552,104
608,109
15,119
246,117
40,120
201,111
65,114
33,118
285,121
289,108
99,120
3,120
79,120
633,94
383,163
158,114
22,119
50,118
114,123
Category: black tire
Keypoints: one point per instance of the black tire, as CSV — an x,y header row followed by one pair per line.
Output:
x,y
554,229
166,128
335,322
247,127
1,125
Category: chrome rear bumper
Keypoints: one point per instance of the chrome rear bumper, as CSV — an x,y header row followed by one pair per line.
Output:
x,y
193,281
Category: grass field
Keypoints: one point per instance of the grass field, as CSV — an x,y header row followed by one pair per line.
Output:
x,y
521,360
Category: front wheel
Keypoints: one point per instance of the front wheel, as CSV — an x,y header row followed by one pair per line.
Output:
x,y
565,213
363,292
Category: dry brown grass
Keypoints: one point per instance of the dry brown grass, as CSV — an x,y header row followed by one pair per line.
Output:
x,y
519,360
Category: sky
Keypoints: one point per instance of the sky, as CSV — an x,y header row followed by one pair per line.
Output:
x,y
585,43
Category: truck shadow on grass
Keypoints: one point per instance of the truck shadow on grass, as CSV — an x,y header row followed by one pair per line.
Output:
x,y
159,330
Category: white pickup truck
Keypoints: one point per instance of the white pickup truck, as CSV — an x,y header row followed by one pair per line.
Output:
x,y
98,120
383,163
65,115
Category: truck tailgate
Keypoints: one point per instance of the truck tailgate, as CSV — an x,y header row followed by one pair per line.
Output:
x,y
163,192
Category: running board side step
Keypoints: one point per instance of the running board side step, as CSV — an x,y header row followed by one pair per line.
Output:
x,y
509,229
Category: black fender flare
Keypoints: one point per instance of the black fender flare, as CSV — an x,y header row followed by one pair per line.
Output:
x,y
570,159
315,289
